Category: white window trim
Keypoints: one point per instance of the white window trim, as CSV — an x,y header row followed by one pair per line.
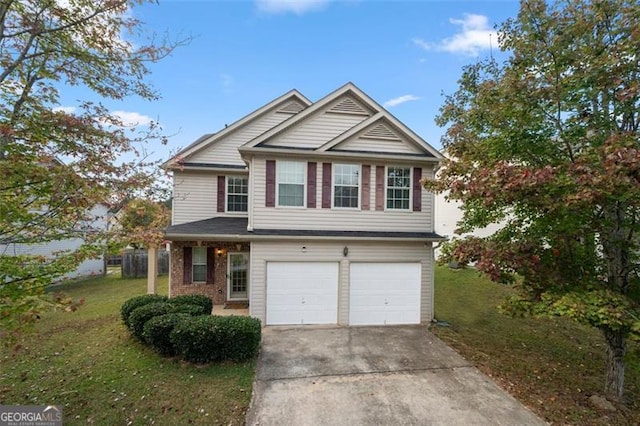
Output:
x,y
193,249
333,186
226,195
386,174
304,185
246,253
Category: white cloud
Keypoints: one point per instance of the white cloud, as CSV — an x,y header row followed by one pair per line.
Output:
x,y
131,119
297,7
475,36
65,109
400,100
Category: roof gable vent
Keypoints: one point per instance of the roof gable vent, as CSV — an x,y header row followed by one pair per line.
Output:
x,y
348,105
380,131
292,107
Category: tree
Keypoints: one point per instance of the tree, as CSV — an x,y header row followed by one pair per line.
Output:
x,y
143,222
548,142
55,165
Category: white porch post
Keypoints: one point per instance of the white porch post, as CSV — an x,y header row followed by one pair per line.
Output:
x,y
152,270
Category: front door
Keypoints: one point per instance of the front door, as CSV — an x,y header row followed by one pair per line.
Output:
x,y
238,276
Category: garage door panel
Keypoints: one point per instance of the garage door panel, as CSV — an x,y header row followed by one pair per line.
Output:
x,y
384,293
302,293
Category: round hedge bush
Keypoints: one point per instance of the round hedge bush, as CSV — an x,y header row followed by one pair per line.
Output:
x,y
194,299
135,302
209,338
144,313
157,330
193,310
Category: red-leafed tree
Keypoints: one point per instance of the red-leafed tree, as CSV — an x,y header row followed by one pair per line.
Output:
x,y
55,165
548,141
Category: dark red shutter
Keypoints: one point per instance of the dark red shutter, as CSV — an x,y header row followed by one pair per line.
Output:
x,y
366,186
326,185
379,187
186,266
221,191
270,189
417,189
210,264
311,185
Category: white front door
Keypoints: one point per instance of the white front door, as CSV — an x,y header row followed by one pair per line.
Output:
x,y
302,293
384,293
238,276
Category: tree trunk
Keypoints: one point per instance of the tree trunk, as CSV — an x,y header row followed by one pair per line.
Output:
x,y
614,375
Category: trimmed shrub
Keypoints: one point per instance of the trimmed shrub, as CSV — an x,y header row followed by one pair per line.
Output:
x,y
135,302
157,330
194,299
193,310
144,313
213,338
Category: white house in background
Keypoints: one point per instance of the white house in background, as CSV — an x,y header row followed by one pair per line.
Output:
x,y
98,221
308,212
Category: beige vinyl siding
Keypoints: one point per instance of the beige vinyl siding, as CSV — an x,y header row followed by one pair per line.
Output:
x,y
316,130
322,251
225,151
336,218
399,146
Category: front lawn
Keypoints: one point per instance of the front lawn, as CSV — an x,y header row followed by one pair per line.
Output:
x,y
551,365
87,362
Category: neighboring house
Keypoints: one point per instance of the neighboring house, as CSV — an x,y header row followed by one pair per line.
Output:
x,y
97,221
310,213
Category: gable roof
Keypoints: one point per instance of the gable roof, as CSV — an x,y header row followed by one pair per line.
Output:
x,y
363,104
292,102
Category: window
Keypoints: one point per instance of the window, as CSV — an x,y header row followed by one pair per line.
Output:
x,y
237,193
290,183
199,264
346,179
398,188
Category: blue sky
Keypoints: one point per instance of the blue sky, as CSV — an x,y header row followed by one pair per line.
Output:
x,y
404,54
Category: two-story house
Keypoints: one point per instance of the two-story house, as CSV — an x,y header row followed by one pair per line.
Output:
x,y
310,213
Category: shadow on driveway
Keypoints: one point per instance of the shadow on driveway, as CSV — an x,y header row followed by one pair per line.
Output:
x,y
373,376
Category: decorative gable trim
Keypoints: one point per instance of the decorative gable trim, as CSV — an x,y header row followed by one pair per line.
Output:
x,y
349,106
292,108
381,131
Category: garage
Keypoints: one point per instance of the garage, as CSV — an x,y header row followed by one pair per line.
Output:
x,y
384,293
302,293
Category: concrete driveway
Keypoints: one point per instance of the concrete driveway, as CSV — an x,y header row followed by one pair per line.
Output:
x,y
373,376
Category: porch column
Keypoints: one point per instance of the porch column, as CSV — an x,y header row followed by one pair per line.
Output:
x,y
152,270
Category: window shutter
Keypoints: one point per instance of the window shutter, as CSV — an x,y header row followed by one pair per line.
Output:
x,y
379,187
417,189
221,191
366,186
186,265
210,265
311,185
270,189
326,185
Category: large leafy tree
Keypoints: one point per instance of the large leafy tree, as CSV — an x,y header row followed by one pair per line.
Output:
x,y
548,141
55,164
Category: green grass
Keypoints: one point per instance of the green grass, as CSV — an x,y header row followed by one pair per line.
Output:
x,y
551,365
87,362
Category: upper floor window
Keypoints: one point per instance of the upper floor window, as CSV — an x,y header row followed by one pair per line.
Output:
x,y
237,193
398,188
199,264
346,184
290,179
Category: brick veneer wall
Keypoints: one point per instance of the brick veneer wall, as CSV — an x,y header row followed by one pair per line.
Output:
x,y
216,291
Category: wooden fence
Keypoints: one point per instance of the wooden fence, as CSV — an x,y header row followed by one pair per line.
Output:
x,y
134,263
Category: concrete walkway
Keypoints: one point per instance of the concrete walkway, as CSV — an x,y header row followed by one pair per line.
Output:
x,y
373,376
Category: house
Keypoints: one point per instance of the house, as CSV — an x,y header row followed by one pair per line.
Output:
x,y
310,213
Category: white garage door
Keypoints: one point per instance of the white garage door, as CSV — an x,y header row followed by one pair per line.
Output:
x,y
384,293
302,293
